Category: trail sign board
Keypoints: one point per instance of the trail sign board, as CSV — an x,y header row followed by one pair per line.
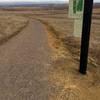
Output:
x,y
76,8
78,27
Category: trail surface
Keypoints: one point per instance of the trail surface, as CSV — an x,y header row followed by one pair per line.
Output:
x,y
24,64
27,71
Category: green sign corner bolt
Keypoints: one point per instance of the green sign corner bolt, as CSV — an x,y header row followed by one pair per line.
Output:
x,y
88,7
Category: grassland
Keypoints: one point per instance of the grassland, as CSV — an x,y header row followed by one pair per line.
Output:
x,y
60,30
59,24
10,26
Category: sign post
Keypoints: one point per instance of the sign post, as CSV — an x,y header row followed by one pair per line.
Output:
x,y
81,11
76,11
88,7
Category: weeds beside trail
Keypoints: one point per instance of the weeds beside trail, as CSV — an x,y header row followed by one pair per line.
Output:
x,y
64,76
55,42
11,26
67,44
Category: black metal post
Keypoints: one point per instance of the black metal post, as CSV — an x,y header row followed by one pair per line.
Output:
x,y
87,16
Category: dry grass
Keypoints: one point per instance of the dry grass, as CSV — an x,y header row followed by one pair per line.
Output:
x,y
64,74
71,43
62,27
10,26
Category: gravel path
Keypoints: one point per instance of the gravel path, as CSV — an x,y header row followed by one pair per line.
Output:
x,y
24,64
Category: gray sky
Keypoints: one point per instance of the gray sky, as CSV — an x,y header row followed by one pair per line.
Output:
x,y
39,0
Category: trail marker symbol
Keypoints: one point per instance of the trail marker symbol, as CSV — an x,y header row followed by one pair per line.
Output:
x,y
76,8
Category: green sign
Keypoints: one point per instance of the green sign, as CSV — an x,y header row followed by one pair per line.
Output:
x,y
76,8
76,11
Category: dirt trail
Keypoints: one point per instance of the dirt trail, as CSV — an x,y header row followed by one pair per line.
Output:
x,y
24,64
28,72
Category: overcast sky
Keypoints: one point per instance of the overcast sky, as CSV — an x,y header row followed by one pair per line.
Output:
x,y
39,0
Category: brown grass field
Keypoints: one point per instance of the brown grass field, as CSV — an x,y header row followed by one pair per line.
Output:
x,y
58,22
10,26
60,29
